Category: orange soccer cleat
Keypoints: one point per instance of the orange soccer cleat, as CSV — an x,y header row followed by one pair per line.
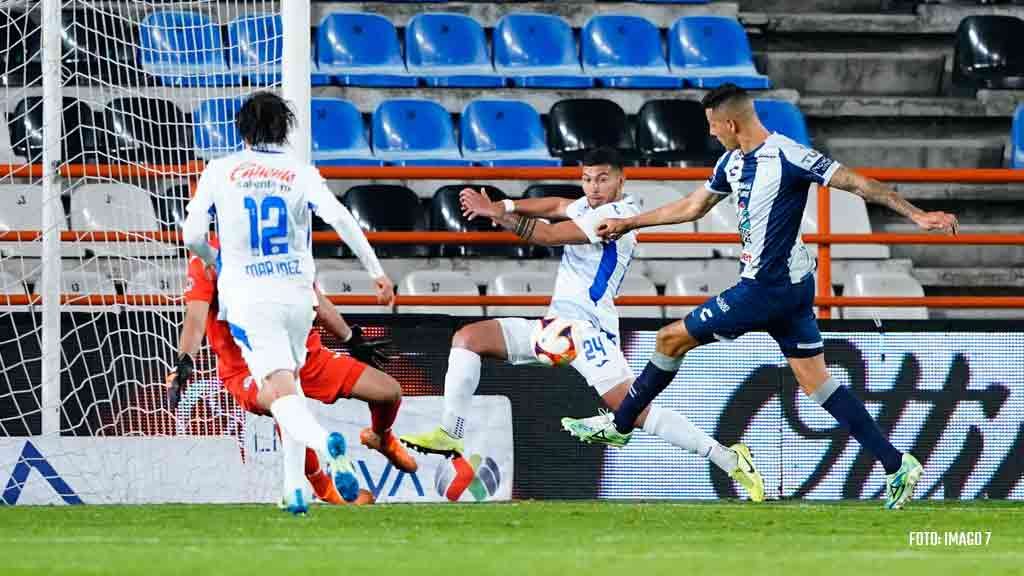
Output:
x,y
324,489
390,447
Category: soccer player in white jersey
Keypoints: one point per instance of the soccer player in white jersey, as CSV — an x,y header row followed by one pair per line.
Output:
x,y
770,175
263,199
589,277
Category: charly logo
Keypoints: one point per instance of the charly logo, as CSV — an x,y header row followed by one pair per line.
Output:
x,y
478,475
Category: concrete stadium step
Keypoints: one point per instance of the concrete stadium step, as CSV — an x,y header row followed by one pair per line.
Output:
x,y
916,73
887,152
831,6
986,105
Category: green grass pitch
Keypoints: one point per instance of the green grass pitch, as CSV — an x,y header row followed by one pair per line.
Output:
x,y
530,537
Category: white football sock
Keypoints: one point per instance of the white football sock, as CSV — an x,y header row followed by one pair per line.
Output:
x,y
677,430
460,383
297,421
293,458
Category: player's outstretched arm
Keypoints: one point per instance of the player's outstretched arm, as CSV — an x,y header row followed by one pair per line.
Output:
x,y
874,191
196,227
476,204
687,209
191,338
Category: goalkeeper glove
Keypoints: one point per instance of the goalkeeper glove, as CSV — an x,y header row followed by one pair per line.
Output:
x,y
369,351
177,379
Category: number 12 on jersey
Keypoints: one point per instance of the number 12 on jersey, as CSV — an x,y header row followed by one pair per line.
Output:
x,y
266,232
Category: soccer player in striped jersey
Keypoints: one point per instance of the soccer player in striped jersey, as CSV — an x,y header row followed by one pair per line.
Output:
x,y
770,176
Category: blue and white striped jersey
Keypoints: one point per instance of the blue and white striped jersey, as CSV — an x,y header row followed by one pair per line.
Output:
x,y
771,183
590,275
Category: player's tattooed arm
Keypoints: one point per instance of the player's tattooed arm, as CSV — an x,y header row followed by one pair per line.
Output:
x,y
477,204
874,191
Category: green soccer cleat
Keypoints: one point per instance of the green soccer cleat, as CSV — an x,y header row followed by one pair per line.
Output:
x,y
437,441
746,473
600,429
899,487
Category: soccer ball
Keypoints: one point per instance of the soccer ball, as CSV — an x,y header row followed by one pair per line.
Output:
x,y
554,342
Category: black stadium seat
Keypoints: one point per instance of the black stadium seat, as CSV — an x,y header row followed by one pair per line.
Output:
x,y
20,46
78,137
570,191
989,53
578,125
149,130
100,48
675,131
446,216
388,208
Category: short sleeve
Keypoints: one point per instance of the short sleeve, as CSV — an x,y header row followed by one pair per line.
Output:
x,y
199,286
718,182
811,165
588,221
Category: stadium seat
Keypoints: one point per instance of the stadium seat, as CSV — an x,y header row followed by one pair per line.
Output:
x,y
440,283
989,53
339,135
503,133
149,130
170,206
10,285
78,134
449,50
99,47
722,219
349,282
1017,139
255,44
675,131
783,117
570,191
538,51
700,284
116,207
21,208
712,50
387,208
163,279
520,284
884,284
849,215
412,132
649,196
446,216
214,127
86,280
359,49
20,45
637,285
183,49
572,128
626,52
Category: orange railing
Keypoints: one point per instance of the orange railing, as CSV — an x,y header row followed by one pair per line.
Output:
x,y
823,238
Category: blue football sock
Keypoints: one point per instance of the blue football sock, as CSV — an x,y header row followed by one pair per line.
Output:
x,y
656,376
851,414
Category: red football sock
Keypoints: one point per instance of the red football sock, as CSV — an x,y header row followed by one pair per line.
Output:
x,y
382,415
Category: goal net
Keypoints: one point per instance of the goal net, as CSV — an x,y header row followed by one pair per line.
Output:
x,y
138,93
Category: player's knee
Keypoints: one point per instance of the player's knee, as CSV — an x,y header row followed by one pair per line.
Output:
x,y
467,338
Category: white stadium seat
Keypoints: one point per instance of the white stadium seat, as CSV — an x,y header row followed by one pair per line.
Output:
x,y
884,284
849,215
706,285
520,284
637,285
121,208
350,282
21,208
440,283
650,196
722,219
167,280
86,282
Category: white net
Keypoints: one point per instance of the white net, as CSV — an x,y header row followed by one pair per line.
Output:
x,y
146,89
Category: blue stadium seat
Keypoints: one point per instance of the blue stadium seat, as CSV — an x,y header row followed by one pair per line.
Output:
x,y
183,49
254,48
214,129
339,135
449,50
504,133
360,49
626,52
412,132
538,51
712,50
783,117
1017,139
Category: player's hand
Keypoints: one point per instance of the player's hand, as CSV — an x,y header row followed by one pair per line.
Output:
x,y
479,204
177,379
613,228
369,351
385,290
941,221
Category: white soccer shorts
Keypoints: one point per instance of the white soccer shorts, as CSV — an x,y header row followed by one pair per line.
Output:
x,y
272,336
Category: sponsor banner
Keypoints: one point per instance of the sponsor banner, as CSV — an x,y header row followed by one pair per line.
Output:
x,y
954,400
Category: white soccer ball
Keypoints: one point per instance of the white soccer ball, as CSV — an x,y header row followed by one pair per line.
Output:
x,y
554,341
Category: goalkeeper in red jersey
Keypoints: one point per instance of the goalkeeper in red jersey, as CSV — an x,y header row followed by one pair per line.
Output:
x,y
326,376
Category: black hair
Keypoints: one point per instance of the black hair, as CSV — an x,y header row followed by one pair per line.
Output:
x,y
603,156
723,95
265,118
